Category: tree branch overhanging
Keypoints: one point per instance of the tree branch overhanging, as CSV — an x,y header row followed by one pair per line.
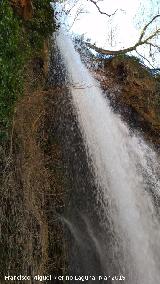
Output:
x,y
100,11
141,41
146,26
144,58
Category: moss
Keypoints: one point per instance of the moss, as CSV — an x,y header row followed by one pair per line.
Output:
x,y
24,40
11,60
132,63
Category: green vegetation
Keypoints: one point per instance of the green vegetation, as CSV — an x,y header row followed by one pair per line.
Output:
x,y
11,60
22,223
41,25
20,40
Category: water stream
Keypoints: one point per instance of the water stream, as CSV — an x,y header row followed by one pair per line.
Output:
x,y
125,172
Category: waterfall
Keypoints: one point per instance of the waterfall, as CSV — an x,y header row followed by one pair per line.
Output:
x,y
125,172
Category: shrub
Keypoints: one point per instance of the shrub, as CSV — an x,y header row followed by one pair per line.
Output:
x,y
19,39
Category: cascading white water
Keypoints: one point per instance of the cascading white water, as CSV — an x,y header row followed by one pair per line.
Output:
x,y
120,163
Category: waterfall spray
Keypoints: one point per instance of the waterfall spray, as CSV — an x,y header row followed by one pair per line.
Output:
x,y
120,162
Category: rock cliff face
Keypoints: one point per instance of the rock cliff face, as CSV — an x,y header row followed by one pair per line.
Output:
x,y
23,8
134,93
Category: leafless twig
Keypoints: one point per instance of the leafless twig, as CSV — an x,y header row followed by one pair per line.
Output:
x,y
100,11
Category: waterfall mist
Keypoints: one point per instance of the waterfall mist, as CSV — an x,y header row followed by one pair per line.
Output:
x,y
125,172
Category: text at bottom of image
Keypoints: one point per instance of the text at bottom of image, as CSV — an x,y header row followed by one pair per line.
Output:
x,y
81,278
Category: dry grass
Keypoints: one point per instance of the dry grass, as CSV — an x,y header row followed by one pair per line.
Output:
x,y
24,182
34,177
31,189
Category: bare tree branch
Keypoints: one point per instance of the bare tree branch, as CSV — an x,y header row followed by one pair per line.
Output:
x,y
101,12
112,52
157,32
146,26
144,58
74,5
140,42
154,45
78,13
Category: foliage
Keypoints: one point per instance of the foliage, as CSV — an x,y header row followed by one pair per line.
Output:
x,y
11,60
136,63
41,25
19,39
